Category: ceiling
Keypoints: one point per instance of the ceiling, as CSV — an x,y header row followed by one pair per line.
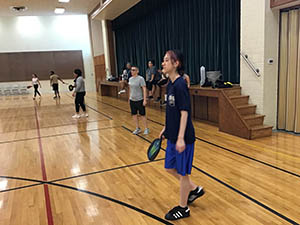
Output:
x,y
113,8
46,7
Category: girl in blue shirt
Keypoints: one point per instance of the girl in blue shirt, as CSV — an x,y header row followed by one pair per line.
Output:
x,y
179,132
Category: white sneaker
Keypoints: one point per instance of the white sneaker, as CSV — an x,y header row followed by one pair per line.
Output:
x,y
146,131
76,116
122,91
137,131
84,115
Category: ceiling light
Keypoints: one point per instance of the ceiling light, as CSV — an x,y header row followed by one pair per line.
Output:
x,y
64,1
59,10
18,8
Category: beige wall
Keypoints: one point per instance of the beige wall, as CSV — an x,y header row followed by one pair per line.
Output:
x,y
49,33
271,72
259,40
97,37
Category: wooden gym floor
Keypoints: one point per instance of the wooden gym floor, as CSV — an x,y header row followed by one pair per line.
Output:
x,y
55,170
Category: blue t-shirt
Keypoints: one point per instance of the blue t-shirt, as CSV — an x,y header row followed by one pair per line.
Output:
x,y
178,99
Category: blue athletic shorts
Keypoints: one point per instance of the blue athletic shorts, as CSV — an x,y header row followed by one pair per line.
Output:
x,y
182,162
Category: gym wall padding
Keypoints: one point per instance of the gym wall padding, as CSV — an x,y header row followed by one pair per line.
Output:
x,y
18,66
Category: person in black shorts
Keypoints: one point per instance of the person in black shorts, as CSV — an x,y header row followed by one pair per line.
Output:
x,y
54,78
137,99
152,77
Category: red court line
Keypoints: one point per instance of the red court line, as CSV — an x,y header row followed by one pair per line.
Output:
x,y
46,190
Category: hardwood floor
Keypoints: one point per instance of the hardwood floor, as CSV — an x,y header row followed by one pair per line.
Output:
x,y
57,170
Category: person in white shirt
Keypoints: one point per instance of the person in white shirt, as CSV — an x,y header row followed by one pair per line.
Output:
x,y
125,78
36,83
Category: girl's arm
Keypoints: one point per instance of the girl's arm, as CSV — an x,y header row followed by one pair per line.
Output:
x,y
161,135
180,144
188,81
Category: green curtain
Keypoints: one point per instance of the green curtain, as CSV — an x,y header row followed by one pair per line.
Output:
x,y
206,31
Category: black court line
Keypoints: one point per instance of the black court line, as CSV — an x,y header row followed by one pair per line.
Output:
x,y
90,193
237,191
30,107
249,197
248,157
13,117
219,146
21,187
145,139
57,135
72,177
134,208
122,109
94,109
106,170
80,132
115,201
109,104
27,129
74,123
21,178
66,124
99,112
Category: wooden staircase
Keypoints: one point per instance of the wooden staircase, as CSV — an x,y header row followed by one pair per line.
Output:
x,y
236,117
254,122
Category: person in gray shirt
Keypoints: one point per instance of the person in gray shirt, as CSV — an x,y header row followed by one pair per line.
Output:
x,y
79,94
137,99
152,77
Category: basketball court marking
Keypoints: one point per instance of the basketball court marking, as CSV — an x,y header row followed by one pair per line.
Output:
x,y
44,174
248,197
72,177
89,193
21,187
75,122
216,145
57,135
119,202
109,117
233,189
94,109
107,170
